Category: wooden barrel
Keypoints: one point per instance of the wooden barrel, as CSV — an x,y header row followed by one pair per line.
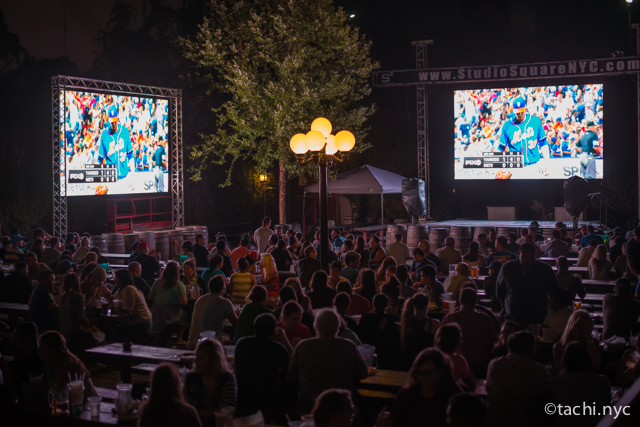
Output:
x,y
177,236
481,230
100,242
436,238
416,233
148,236
201,229
188,233
504,231
129,240
115,243
162,244
463,236
392,230
547,233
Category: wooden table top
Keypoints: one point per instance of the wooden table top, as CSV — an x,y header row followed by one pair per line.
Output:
x,y
142,352
14,308
386,378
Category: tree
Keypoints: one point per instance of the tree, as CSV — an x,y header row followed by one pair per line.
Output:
x,y
282,63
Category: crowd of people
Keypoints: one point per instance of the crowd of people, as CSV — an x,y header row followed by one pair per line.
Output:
x,y
297,341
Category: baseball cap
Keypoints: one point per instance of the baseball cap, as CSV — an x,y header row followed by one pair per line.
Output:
x,y
496,265
519,105
590,124
38,232
143,245
113,113
253,255
618,231
16,238
64,266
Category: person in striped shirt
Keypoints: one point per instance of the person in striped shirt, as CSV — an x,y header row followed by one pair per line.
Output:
x,y
241,283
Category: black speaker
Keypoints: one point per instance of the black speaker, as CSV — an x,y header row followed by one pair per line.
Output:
x,y
576,193
413,196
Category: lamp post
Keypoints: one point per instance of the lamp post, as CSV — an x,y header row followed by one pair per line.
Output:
x,y
263,181
321,147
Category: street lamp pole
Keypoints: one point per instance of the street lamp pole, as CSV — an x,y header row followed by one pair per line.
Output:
x,y
322,148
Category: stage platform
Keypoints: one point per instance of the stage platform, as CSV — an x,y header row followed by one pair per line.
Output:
x,y
495,224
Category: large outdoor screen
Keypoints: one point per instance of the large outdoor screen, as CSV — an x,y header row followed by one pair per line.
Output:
x,y
114,144
551,132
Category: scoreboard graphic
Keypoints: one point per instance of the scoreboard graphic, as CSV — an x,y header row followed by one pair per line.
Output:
x,y
495,160
93,174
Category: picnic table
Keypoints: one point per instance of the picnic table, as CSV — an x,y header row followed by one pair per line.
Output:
x,y
14,309
114,353
385,380
553,260
584,271
117,256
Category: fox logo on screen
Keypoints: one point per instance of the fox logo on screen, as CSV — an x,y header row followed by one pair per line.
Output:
x,y
76,177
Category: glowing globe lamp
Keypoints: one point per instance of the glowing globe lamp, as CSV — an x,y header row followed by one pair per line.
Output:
x,y
345,141
331,148
315,140
322,125
298,143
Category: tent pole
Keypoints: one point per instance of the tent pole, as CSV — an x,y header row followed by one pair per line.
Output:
x,y
382,210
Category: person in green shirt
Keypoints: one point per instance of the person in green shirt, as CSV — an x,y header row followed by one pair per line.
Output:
x,y
250,311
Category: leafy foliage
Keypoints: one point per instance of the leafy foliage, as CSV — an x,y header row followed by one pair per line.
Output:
x,y
283,63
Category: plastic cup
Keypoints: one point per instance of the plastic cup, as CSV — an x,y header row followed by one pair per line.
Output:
x,y
94,406
452,306
474,271
124,392
452,269
76,396
231,352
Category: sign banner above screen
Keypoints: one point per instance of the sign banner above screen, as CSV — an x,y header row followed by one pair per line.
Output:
x,y
541,70
114,144
552,132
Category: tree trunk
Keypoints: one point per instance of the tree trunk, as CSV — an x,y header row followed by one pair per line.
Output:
x,y
282,195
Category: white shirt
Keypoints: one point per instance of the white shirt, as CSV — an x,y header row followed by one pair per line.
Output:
x,y
400,252
261,236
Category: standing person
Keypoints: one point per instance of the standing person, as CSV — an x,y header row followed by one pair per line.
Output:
x,y
600,265
588,149
262,235
424,400
261,364
210,312
200,252
523,287
399,251
115,146
169,296
211,386
137,317
42,307
166,406
159,167
523,133
337,358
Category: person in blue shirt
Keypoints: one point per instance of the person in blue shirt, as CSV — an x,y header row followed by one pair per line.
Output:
x,y
591,235
115,145
556,147
523,133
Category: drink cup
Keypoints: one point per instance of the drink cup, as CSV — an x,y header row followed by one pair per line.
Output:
x,y
452,269
452,306
124,392
76,396
577,305
59,395
94,406
231,353
474,271
292,269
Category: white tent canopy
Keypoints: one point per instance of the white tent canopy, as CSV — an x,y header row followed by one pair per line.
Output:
x,y
363,180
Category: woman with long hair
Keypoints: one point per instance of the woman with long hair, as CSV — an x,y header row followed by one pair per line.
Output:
x,y
366,284
60,364
83,250
166,406
320,294
72,316
600,265
381,330
391,290
579,328
361,249
473,257
93,286
377,252
381,274
258,302
270,277
212,385
424,400
190,278
417,330
303,300
169,296
133,303
449,342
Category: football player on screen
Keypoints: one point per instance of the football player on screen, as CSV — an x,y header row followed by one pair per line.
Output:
x,y
115,146
523,132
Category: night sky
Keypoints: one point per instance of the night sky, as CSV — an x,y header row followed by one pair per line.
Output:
x,y
465,32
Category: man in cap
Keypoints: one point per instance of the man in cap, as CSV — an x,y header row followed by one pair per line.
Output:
x,y
587,148
148,264
523,133
115,145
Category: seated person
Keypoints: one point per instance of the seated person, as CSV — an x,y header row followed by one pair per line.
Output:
x,y
17,287
579,328
620,311
466,410
136,319
190,278
320,294
380,330
359,304
629,368
560,310
26,360
449,342
257,306
289,293
568,281
290,322
351,270
454,283
210,311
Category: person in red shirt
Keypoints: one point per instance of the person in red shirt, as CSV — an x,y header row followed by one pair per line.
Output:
x,y
290,321
359,304
240,252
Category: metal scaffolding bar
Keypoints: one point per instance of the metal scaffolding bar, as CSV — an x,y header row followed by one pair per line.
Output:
x,y
422,110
